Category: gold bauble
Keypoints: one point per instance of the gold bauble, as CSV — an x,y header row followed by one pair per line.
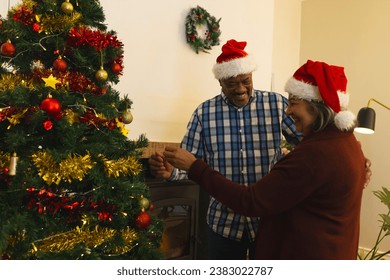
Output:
x,y
101,75
144,203
67,7
127,117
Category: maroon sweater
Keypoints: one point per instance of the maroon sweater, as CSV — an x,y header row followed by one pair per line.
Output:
x,y
309,203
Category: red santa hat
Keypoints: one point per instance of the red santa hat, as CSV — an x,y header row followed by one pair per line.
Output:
x,y
233,61
318,81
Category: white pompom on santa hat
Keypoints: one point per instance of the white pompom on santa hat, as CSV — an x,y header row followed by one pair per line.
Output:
x,y
233,61
318,81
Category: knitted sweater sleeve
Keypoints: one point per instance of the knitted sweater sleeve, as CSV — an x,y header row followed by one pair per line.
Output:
x,y
290,181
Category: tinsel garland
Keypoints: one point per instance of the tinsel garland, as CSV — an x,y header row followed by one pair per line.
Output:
x,y
73,206
76,167
91,238
121,127
123,166
72,168
71,116
73,81
83,36
45,201
25,14
10,81
28,4
58,23
15,118
4,159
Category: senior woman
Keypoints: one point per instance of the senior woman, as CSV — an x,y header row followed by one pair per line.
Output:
x,y
309,203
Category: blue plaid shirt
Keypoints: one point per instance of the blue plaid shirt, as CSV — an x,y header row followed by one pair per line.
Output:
x,y
242,144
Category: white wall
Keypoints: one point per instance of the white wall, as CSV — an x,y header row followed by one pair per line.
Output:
x,y
287,41
163,76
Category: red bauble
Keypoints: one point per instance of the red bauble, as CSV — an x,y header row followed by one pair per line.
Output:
x,y
103,91
143,220
48,125
51,106
36,27
60,64
7,49
116,68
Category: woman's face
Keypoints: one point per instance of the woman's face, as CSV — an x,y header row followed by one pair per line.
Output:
x,y
302,114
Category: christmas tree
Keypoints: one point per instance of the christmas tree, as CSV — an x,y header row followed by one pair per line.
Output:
x,y
71,183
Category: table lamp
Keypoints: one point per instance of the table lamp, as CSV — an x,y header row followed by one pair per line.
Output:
x,y
366,118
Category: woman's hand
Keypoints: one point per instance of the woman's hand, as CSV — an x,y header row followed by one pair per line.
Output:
x,y
179,158
368,172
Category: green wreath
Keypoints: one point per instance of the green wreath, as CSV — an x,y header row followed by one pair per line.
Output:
x,y
199,17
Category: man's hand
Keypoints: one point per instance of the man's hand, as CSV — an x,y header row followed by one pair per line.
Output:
x,y
159,167
179,158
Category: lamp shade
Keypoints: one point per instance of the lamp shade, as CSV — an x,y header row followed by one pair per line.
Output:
x,y
366,121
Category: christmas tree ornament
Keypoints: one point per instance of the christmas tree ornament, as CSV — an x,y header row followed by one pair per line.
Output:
x,y
127,117
103,91
12,165
7,49
51,81
36,27
67,7
37,64
143,220
4,170
116,68
60,64
51,106
101,74
144,203
48,125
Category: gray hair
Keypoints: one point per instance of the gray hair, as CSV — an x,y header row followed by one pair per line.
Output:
x,y
324,115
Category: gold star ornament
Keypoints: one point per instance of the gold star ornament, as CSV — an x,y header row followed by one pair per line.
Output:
x,y
51,81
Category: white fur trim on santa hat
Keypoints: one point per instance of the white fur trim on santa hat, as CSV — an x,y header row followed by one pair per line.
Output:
x,y
234,67
343,98
310,92
303,90
345,120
